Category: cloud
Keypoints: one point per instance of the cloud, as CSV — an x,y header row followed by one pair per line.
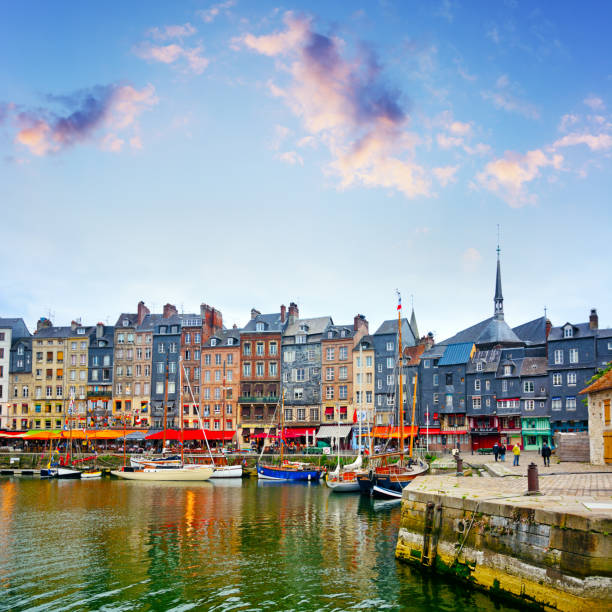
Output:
x,y
462,129
290,157
101,109
594,142
344,104
478,149
567,121
509,176
210,14
471,256
594,103
172,31
445,174
169,54
448,142
444,11
505,97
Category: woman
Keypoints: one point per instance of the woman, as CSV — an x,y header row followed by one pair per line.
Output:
x,y
517,453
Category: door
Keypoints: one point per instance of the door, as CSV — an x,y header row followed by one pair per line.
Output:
x,y
607,447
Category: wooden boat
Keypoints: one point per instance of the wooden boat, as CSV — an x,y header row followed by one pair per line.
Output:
x,y
144,462
181,474
58,471
344,479
91,474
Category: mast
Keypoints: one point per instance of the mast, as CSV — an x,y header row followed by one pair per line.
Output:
x,y
180,407
223,409
415,380
282,426
165,407
361,402
124,458
401,361
197,409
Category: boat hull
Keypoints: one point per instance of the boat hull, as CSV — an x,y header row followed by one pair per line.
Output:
x,y
166,475
91,475
269,472
227,471
339,486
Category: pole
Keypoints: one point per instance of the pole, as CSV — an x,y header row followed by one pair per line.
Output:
x,y
361,402
165,407
415,380
223,410
180,407
124,457
282,424
401,397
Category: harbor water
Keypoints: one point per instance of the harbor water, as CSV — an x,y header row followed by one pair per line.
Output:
x,y
235,545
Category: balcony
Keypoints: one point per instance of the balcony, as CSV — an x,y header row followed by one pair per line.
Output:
x,y
484,430
257,399
105,394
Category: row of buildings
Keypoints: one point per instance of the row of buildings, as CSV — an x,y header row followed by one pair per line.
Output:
x,y
488,383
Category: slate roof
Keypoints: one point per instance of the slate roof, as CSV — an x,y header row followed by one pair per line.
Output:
x,y
457,353
271,321
490,359
390,326
532,332
489,331
130,316
222,337
316,325
149,322
581,330
336,329
53,332
604,333
534,366
367,341
434,352
601,384
18,326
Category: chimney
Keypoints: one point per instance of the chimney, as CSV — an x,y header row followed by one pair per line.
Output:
x,y
593,319
169,310
42,323
360,321
99,330
254,313
143,311
283,313
294,313
429,340
73,325
217,322
548,327
234,326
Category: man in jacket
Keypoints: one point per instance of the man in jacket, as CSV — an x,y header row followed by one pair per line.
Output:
x,y
496,450
546,454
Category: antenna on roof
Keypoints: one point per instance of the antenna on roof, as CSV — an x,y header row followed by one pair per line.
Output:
x,y
544,311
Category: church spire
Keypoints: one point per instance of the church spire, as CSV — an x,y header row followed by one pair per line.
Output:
x,y
499,298
413,321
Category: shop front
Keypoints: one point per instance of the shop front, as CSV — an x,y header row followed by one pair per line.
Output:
x,y
535,432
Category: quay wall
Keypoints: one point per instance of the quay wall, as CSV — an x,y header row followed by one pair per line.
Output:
x,y
541,556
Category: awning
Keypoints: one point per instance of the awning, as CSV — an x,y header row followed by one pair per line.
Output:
x,y
453,432
12,434
297,432
334,431
170,434
198,434
261,436
394,432
136,435
431,431
329,410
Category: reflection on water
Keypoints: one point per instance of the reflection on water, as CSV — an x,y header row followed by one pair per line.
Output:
x,y
117,545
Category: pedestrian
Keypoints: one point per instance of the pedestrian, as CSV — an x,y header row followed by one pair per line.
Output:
x,y
517,453
502,452
546,454
496,450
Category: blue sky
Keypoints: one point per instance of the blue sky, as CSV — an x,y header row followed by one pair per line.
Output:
x,y
251,154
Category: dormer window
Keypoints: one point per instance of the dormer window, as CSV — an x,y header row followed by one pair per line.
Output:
x,y
230,342
303,327
213,342
343,334
125,322
568,331
162,329
479,366
81,331
259,326
507,370
330,335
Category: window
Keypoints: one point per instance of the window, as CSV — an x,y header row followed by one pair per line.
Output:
x,y
217,358
207,359
507,370
298,393
487,385
230,359
173,347
568,332
529,405
343,353
390,362
259,348
573,355
329,393
436,380
159,387
273,368
449,378
556,403
476,403
557,380
330,354
259,326
288,414
504,386
310,354
329,373
390,400
528,386
477,384
343,373
217,375
301,414
426,363
390,379
436,399
300,339
479,366
558,356
570,403
213,342
379,384
571,378
273,347
161,348
289,356
299,374
246,369
246,348
259,368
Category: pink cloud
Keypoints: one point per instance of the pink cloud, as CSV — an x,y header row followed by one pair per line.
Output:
x,y
595,103
343,103
101,111
448,142
445,174
172,31
169,54
290,157
595,143
210,14
508,177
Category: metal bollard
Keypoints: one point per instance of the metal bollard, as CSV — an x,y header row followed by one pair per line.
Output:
x,y
459,461
533,485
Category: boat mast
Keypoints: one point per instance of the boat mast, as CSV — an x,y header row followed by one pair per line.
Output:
x,y
415,380
180,407
165,407
282,426
401,361
361,402
223,410
197,409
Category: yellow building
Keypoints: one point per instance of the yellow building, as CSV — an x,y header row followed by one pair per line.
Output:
x,y
363,380
75,371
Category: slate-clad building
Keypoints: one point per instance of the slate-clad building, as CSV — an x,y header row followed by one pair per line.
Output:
x,y
19,390
535,405
100,375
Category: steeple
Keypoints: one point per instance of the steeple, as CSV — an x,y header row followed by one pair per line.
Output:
x,y
413,321
499,298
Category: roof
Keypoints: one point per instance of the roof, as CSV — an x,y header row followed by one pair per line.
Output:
x,y
130,316
434,352
489,331
532,332
53,332
334,431
534,366
349,332
367,342
316,325
414,353
490,359
413,325
272,323
457,353
581,330
17,325
604,383
389,326
222,336
149,322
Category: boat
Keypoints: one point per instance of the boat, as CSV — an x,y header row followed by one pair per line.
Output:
x,y
155,471
91,474
390,473
142,462
344,478
288,471
57,471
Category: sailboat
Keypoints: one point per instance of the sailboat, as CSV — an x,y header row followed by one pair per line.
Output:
x,y
61,468
179,473
344,478
386,478
291,471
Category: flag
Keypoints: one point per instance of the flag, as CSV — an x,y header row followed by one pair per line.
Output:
x,y
355,416
399,301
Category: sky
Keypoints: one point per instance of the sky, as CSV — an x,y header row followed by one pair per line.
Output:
x,y
249,154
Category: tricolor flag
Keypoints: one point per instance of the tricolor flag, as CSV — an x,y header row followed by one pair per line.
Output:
x,y
399,301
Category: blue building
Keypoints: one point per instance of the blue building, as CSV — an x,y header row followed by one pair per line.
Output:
x,y
100,375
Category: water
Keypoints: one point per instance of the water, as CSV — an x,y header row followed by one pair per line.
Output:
x,y
242,545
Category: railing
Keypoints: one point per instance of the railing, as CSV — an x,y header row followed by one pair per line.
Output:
x,y
257,399
484,430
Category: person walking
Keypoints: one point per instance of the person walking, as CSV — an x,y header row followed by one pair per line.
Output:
x,y
496,450
517,453
546,454
502,452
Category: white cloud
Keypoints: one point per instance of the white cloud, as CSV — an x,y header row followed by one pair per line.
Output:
x,y
505,96
172,31
210,14
594,142
595,103
290,157
445,174
169,54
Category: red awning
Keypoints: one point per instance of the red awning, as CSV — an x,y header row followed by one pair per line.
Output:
x,y
432,431
214,434
393,432
450,433
297,432
343,409
261,436
329,410
170,434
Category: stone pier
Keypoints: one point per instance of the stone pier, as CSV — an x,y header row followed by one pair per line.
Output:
x,y
552,551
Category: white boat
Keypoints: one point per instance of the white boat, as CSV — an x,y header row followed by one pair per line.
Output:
x,y
227,471
143,462
90,474
60,472
180,474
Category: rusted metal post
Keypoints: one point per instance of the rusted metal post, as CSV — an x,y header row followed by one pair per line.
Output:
x,y
459,461
533,485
